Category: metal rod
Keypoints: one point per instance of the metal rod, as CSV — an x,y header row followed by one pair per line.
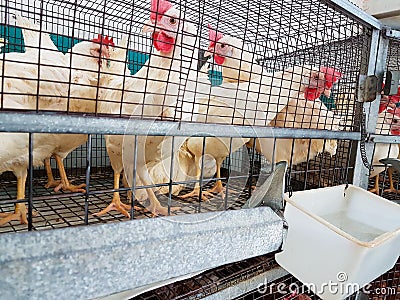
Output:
x,y
350,9
58,123
253,151
88,168
376,65
228,177
201,173
135,154
30,185
171,172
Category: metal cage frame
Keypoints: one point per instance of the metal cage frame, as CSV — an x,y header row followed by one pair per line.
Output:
x,y
67,246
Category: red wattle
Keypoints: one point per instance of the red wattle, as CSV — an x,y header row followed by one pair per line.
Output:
x,y
382,107
395,131
219,59
311,93
162,42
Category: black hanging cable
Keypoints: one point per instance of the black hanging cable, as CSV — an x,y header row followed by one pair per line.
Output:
x,y
364,137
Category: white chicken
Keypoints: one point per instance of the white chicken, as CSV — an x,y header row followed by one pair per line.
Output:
x,y
21,75
252,98
248,103
183,168
387,119
14,157
237,66
86,59
21,83
20,90
148,93
218,148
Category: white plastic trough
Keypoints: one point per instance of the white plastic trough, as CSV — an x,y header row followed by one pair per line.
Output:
x,y
339,239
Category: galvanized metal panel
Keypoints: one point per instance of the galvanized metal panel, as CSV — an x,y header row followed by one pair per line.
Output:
x,y
376,65
55,123
349,8
94,261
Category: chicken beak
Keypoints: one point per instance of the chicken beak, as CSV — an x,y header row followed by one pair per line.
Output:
x,y
148,27
105,52
209,52
327,93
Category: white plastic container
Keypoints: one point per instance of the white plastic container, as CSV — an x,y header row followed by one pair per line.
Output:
x,y
339,239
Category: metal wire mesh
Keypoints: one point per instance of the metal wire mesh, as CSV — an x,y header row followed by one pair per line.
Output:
x,y
385,287
388,117
277,34
381,176
94,77
212,281
241,172
303,38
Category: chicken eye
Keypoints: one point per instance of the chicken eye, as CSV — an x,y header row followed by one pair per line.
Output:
x,y
222,46
395,121
172,21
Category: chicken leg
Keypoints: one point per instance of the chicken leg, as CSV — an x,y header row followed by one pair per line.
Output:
x,y
65,185
391,188
116,203
196,189
20,211
51,182
155,206
218,188
376,187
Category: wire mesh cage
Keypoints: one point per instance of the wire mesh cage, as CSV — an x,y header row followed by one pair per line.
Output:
x,y
385,287
191,118
388,116
101,75
383,177
263,71
287,287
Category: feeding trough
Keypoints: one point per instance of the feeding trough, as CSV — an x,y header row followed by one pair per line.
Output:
x,y
339,239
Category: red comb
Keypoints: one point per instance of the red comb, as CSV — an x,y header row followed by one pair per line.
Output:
x,y
213,36
105,40
331,76
158,8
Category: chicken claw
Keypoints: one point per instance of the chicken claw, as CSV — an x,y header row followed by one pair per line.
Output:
x,y
116,204
196,193
19,214
161,210
219,189
70,187
52,183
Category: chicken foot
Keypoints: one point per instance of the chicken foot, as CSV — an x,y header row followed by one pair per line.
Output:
x,y
116,203
155,207
391,188
20,212
65,185
196,189
376,187
218,188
